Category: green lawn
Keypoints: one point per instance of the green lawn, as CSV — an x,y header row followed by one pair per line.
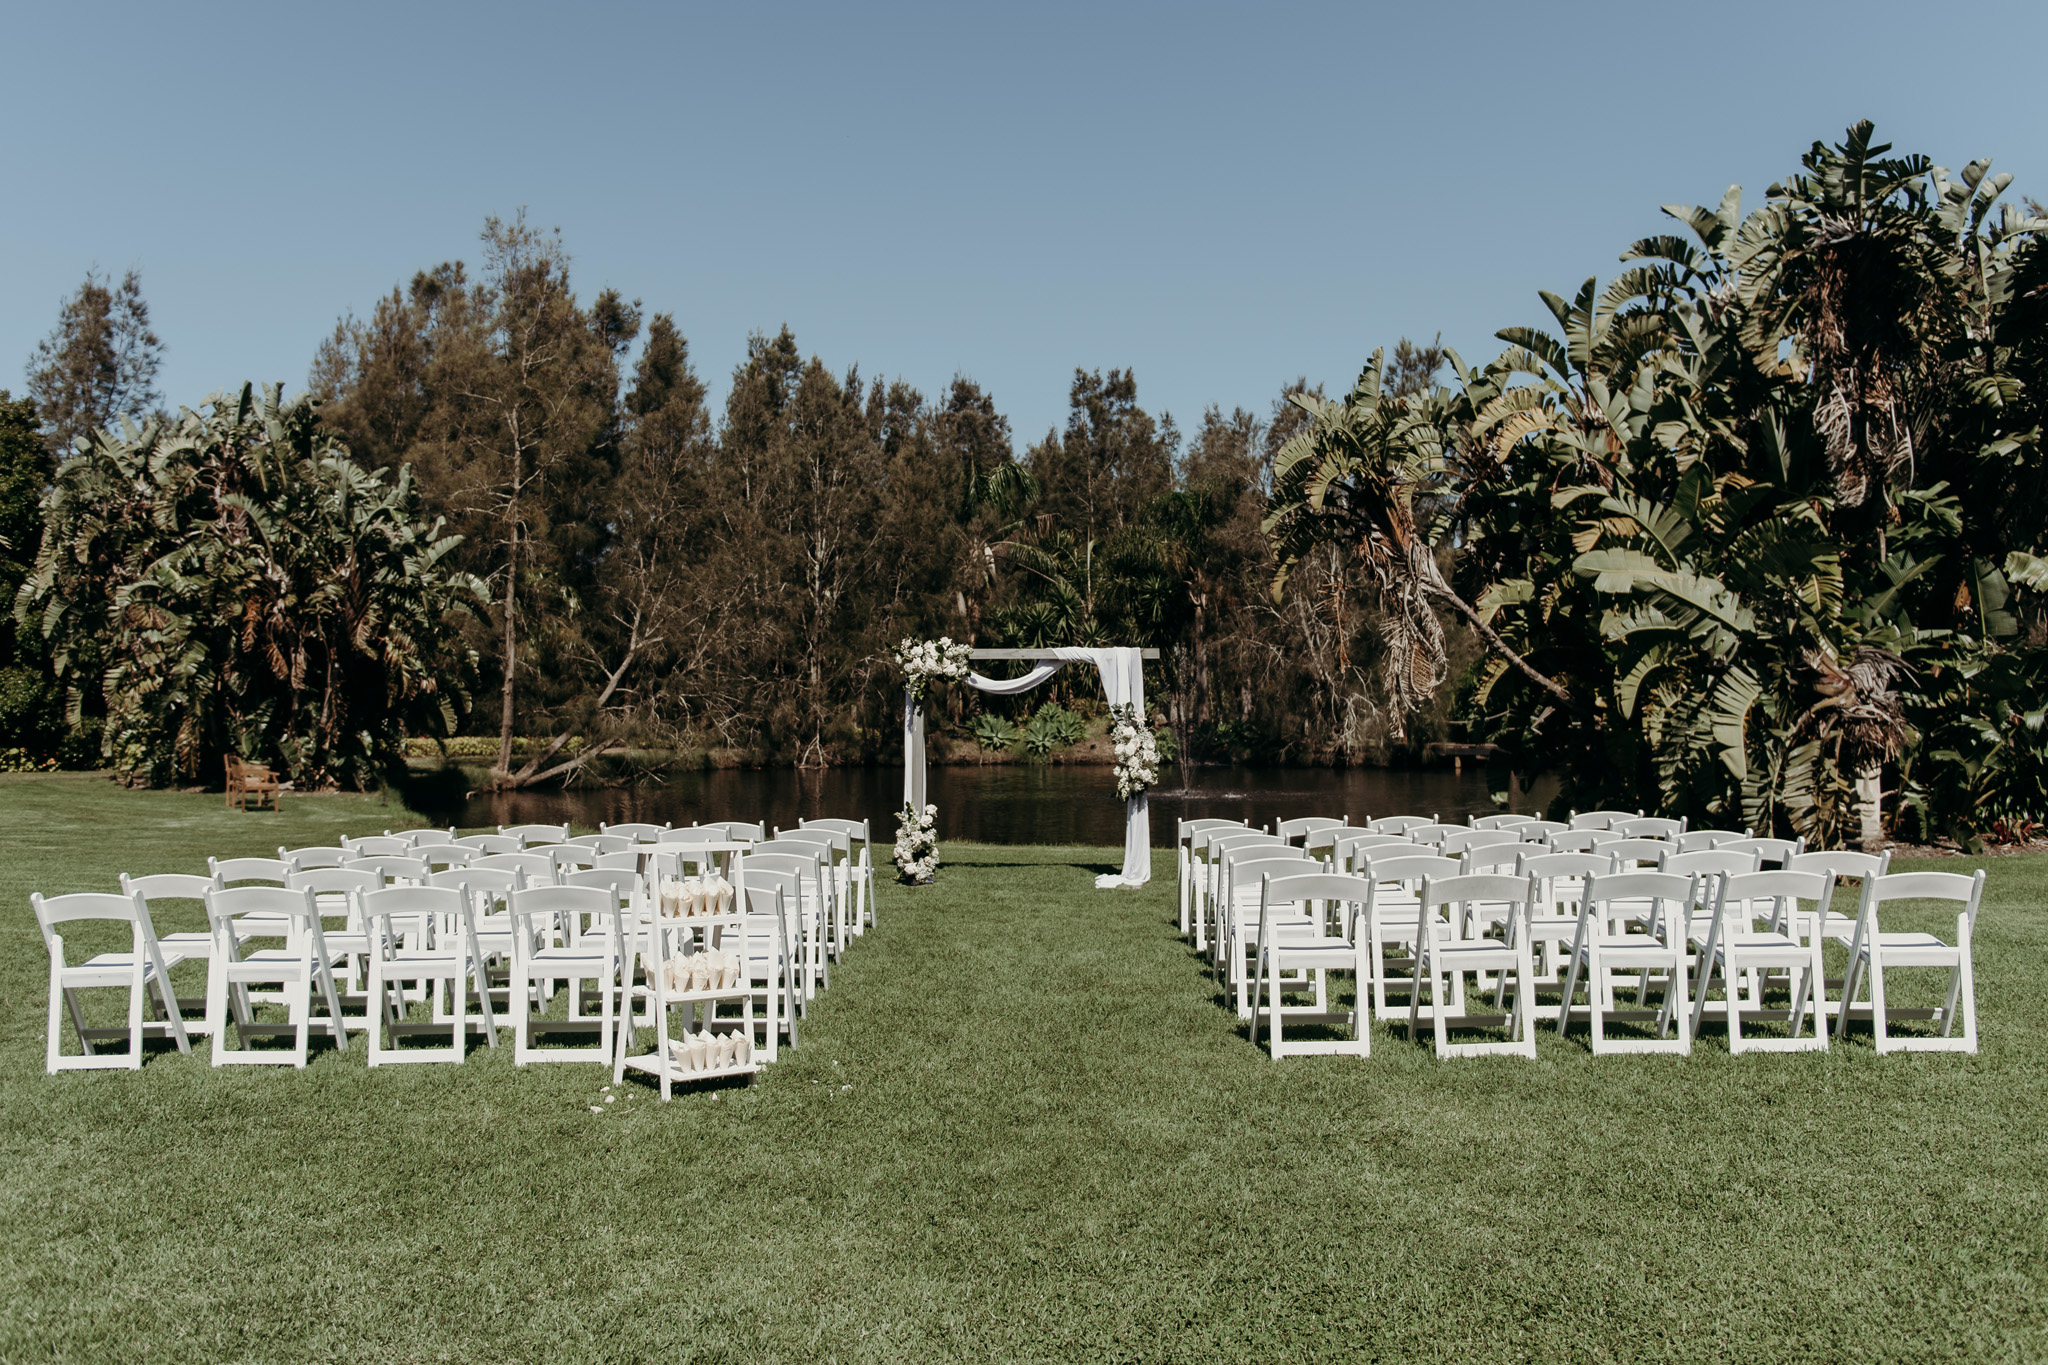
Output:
x,y
1021,1127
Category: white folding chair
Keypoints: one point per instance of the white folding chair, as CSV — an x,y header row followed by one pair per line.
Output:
x,y
1554,917
1574,840
836,854
1321,844
1238,908
1443,959
1399,824
774,953
1874,950
1771,853
1209,850
1393,914
1541,829
348,944
565,857
1433,836
573,934
425,935
1735,950
810,911
1298,829
1290,940
240,913
140,970
1841,863
489,891
189,945
440,857
1198,871
1641,854
1613,936
861,914
490,843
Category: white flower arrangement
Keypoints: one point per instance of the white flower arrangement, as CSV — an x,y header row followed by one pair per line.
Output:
x,y
923,660
917,843
1137,753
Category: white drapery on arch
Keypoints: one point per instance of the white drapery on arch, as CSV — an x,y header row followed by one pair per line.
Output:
x,y
1123,680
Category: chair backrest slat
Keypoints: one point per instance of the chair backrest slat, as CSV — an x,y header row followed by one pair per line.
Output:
x,y
1602,819
317,855
1842,862
272,870
535,834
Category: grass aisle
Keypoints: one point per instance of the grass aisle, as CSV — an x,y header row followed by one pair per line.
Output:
x,y
1021,1127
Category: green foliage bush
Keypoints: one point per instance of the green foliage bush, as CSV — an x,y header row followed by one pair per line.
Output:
x,y
1754,531
462,747
231,581
1051,728
31,713
994,733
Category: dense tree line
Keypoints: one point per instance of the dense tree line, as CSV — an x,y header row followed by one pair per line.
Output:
x,y
647,573
1751,535
665,576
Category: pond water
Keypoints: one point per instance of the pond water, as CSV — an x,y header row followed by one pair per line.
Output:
x,y
1023,803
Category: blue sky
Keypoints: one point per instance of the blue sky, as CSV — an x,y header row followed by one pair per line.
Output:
x,y
1221,198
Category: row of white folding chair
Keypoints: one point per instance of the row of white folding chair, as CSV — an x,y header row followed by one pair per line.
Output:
x,y
860,864
1190,867
1293,935
835,852
296,913
1394,907
1634,925
1241,869
1753,928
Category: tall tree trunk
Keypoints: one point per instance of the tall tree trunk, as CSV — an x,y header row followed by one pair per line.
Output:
x,y
511,648
1870,806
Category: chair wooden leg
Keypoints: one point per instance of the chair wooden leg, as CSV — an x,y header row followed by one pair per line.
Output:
x,y
1879,1025
1966,983
55,1046
1851,982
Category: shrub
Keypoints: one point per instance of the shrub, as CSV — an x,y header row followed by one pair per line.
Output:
x,y
995,733
1053,727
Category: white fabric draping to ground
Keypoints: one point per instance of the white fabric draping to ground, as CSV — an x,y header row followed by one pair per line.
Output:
x,y
1123,681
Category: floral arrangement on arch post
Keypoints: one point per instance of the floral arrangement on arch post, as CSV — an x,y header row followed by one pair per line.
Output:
x,y
917,844
924,660
1137,752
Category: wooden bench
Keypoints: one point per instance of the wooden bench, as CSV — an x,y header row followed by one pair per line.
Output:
x,y
252,781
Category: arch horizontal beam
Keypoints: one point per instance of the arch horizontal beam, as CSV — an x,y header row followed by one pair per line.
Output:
x,y
1042,655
